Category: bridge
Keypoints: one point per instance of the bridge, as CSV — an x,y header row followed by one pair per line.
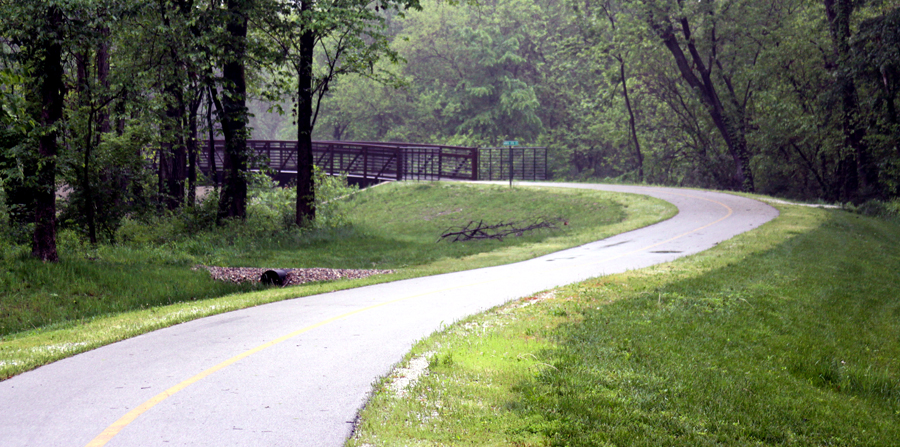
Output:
x,y
373,162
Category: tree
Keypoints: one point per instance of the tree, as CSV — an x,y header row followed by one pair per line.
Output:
x,y
36,33
88,112
858,173
151,48
875,62
476,68
612,36
233,111
349,36
671,22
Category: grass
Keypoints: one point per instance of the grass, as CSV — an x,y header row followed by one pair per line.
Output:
x,y
398,226
97,296
787,335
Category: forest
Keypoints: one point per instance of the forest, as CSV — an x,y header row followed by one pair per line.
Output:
x,y
106,104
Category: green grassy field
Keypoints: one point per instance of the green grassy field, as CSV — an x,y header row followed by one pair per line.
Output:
x,y
787,335
100,295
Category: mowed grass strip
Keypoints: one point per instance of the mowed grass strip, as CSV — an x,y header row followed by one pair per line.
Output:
x,y
787,335
398,226
97,296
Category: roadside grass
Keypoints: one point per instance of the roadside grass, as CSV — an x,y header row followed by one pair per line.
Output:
x,y
97,296
786,335
397,226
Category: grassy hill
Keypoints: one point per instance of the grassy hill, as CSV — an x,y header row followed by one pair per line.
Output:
x,y
787,335
98,295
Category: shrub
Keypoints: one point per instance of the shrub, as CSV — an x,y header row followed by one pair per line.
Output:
x,y
271,208
150,230
332,195
883,209
4,215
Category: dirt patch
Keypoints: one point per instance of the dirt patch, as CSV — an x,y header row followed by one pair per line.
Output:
x,y
294,276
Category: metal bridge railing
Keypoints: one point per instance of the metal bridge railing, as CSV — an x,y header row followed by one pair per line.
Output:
x,y
526,163
393,161
367,160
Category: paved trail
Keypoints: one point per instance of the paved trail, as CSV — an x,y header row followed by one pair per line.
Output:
x,y
294,373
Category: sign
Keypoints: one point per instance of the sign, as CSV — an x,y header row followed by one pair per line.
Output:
x,y
510,143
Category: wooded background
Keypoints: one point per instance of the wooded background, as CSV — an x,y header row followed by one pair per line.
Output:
x,y
113,100
792,98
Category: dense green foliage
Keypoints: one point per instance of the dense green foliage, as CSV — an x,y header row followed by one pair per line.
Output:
x,y
793,98
786,335
113,98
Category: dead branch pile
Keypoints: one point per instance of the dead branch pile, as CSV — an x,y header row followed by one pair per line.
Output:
x,y
478,230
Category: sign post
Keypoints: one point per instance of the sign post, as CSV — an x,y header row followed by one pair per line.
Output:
x,y
510,145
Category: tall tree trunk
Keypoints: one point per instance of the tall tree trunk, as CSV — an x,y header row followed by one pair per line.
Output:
x,y
213,169
862,183
638,155
84,96
86,182
732,127
192,148
306,205
50,87
233,199
173,155
103,124
110,177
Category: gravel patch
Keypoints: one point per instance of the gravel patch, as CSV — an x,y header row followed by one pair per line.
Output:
x,y
404,378
294,276
811,205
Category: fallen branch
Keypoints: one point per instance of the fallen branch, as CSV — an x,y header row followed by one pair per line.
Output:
x,y
478,230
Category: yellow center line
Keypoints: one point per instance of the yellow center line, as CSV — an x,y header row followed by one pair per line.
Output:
x,y
726,216
729,214
116,427
110,432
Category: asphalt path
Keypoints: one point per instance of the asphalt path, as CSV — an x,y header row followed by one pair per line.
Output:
x,y
296,372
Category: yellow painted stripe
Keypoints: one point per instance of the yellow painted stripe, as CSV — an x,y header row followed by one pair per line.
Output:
x,y
110,432
729,214
116,427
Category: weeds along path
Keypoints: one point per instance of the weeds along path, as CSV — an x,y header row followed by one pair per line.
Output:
x,y
295,372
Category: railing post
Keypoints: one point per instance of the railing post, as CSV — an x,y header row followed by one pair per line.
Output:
x,y
511,166
398,155
475,166
523,164
490,163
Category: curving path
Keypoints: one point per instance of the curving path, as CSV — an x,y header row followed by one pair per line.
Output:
x,y
294,373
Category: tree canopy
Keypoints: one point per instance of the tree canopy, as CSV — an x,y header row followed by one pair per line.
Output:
x,y
793,98
110,99
114,101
